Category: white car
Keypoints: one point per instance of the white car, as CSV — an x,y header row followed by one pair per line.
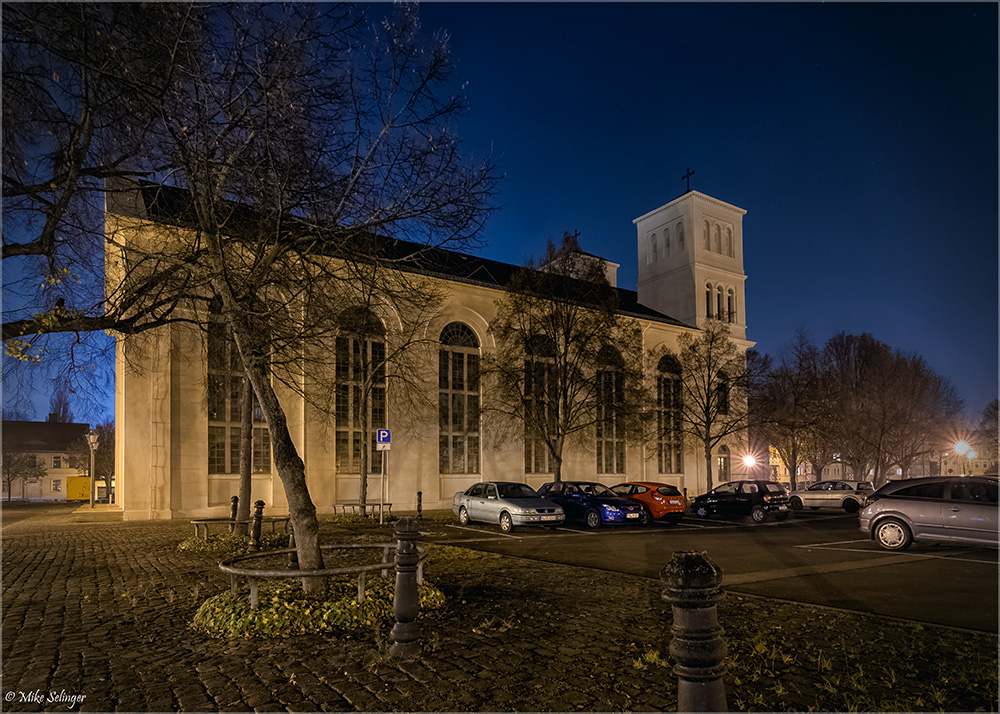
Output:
x,y
849,495
506,503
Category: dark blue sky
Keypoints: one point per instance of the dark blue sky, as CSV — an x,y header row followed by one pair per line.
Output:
x,y
860,138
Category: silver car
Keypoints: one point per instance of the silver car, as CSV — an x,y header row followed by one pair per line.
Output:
x,y
946,508
849,495
507,503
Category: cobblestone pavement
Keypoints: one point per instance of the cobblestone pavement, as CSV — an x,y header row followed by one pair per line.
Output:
x,y
95,618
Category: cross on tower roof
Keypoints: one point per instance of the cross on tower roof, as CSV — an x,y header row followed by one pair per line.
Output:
x,y
687,177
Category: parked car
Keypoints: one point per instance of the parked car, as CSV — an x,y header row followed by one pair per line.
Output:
x,y
757,499
849,495
660,501
506,503
942,508
592,503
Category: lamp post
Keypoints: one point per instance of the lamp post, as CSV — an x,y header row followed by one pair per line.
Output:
x,y
92,442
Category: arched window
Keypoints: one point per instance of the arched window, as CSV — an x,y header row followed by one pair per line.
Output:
x,y
224,391
720,311
680,236
718,238
708,300
729,242
609,424
670,452
723,464
360,406
722,393
540,404
458,400
652,249
666,242
731,305
708,236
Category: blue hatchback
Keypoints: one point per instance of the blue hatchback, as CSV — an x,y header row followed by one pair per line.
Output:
x,y
591,502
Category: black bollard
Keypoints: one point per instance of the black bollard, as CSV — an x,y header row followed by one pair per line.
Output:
x,y
420,503
232,513
255,524
293,557
406,602
691,584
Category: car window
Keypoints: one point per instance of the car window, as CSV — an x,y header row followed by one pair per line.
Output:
x,y
491,491
841,487
817,487
622,489
774,488
669,491
639,489
974,491
516,490
748,488
922,490
725,488
570,489
476,490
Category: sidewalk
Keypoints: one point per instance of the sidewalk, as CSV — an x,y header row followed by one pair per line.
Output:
x,y
95,618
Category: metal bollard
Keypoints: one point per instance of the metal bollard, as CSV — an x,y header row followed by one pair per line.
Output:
x,y
293,557
691,584
406,601
255,524
420,503
232,513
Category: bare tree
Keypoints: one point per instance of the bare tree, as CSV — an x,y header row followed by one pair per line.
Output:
x,y
714,388
104,455
567,364
59,409
988,435
20,465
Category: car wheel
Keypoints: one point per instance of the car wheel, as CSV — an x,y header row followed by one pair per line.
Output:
x,y
758,514
850,505
701,511
646,518
893,534
592,519
463,516
780,516
506,522
795,503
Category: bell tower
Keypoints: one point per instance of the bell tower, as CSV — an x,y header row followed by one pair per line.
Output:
x,y
691,261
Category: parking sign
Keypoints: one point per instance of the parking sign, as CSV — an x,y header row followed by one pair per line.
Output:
x,y
383,438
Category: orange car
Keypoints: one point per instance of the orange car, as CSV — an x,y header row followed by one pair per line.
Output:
x,y
659,500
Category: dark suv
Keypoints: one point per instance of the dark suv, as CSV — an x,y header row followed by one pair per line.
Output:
x,y
756,499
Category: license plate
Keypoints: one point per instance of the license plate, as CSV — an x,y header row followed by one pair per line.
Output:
x,y
632,515
550,518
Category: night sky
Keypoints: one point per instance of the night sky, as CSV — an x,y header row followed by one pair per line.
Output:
x,y
860,138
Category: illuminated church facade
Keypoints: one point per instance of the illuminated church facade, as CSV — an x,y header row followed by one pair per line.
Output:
x,y
177,414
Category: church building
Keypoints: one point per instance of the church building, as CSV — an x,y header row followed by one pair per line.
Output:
x,y
178,421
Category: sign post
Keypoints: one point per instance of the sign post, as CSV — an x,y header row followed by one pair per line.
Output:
x,y
383,442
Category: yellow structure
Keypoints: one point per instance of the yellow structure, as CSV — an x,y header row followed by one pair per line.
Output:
x,y
78,488
174,435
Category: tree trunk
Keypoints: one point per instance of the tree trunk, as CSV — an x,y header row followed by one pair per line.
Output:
x,y
246,458
708,464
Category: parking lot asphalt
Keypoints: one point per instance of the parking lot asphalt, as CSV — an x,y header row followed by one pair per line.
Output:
x,y
96,615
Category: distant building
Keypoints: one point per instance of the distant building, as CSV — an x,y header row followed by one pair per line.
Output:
x,y
50,442
177,416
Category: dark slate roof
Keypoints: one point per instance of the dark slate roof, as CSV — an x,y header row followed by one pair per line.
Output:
x,y
41,435
172,205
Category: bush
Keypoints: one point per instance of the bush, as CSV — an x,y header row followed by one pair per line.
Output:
x,y
229,543
284,610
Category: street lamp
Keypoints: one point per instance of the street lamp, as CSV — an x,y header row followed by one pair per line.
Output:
x,y
963,448
92,442
749,461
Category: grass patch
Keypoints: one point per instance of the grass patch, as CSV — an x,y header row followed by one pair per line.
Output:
x,y
230,543
285,610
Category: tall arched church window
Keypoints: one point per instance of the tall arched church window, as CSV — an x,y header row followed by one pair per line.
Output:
x,y
680,236
729,242
720,307
722,393
708,236
708,300
360,406
458,400
225,389
718,239
653,257
670,452
724,464
610,426
731,305
540,404
666,242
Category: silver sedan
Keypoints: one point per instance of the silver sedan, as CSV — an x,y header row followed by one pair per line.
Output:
x,y
506,503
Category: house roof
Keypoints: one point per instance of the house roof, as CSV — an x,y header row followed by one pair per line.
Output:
x,y
172,206
41,435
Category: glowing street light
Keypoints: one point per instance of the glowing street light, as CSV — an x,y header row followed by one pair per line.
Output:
x,y
92,442
749,461
963,448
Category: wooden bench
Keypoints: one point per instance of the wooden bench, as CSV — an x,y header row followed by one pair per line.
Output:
x,y
355,506
201,525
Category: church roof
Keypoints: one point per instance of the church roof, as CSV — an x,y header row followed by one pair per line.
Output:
x,y
172,205
41,435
